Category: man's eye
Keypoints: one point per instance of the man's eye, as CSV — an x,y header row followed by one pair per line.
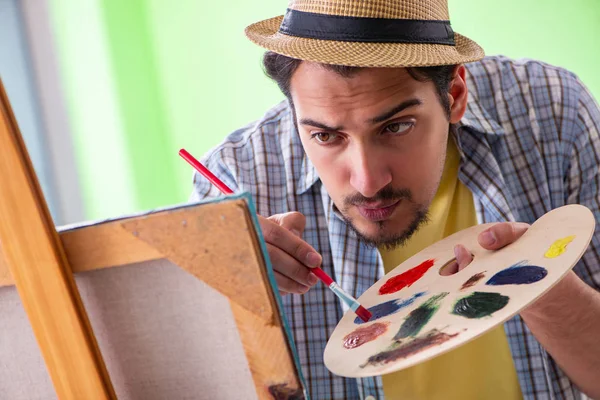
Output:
x,y
398,127
323,137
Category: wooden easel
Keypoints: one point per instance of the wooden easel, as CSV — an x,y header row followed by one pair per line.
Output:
x,y
218,243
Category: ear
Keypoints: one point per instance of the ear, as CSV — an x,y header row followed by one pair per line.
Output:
x,y
458,94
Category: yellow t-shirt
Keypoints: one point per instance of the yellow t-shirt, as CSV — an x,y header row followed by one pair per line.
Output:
x,y
481,369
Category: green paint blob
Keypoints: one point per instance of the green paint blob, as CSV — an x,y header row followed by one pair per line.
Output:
x,y
480,304
418,318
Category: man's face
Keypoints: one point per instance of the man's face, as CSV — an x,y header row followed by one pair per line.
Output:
x,y
378,141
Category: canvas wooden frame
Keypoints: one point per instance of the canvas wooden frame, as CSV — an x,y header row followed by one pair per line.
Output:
x,y
218,242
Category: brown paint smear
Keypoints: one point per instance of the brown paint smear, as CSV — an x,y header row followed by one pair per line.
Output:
x,y
401,350
283,392
473,280
365,334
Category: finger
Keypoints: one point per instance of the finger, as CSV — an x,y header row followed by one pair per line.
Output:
x,y
449,269
463,256
288,242
501,234
294,222
286,285
286,265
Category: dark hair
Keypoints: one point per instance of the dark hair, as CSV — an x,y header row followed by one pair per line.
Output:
x,y
280,68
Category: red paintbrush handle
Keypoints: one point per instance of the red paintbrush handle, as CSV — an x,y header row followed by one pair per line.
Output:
x,y
322,275
204,171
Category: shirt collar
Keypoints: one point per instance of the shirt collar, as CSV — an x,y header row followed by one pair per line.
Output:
x,y
478,118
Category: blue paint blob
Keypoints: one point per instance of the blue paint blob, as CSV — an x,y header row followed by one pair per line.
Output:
x,y
518,274
389,307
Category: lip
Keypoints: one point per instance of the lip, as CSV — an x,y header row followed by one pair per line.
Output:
x,y
377,212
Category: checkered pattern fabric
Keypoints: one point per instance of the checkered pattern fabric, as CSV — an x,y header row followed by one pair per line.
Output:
x,y
405,9
529,142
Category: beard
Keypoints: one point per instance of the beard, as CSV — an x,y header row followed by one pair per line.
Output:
x,y
389,240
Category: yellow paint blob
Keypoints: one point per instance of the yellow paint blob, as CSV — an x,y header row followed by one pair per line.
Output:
x,y
559,247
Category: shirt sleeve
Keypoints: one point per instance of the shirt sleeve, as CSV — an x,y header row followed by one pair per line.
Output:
x,y
583,179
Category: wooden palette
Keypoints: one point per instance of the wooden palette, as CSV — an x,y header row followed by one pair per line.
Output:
x,y
425,324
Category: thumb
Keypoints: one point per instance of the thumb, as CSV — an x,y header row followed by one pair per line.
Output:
x,y
502,234
294,222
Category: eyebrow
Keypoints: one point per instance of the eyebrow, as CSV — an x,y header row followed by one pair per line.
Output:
x,y
400,107
380,118
316,124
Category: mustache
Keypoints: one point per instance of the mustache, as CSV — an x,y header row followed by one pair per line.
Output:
x,y
387,193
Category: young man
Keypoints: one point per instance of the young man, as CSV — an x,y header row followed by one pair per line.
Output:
x,y
397,132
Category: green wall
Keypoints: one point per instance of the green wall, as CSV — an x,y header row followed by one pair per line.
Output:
x,y
146,77
564,33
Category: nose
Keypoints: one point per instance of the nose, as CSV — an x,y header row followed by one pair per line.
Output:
x,y
370,172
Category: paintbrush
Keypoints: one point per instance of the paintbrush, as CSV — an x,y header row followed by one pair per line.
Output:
x,y
354,305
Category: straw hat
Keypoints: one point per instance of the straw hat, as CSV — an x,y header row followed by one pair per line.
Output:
x,y
366,33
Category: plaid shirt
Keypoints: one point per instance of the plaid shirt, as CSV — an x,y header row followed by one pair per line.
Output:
x,y
529,142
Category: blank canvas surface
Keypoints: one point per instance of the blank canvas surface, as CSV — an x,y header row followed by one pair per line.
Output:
x,y
164,334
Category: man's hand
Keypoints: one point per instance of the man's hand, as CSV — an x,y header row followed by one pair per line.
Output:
x,y
493,238
292,257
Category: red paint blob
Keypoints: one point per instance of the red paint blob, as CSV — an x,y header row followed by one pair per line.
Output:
x,y
407,278
365,334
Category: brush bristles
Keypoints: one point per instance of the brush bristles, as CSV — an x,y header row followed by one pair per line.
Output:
x,y
363,313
